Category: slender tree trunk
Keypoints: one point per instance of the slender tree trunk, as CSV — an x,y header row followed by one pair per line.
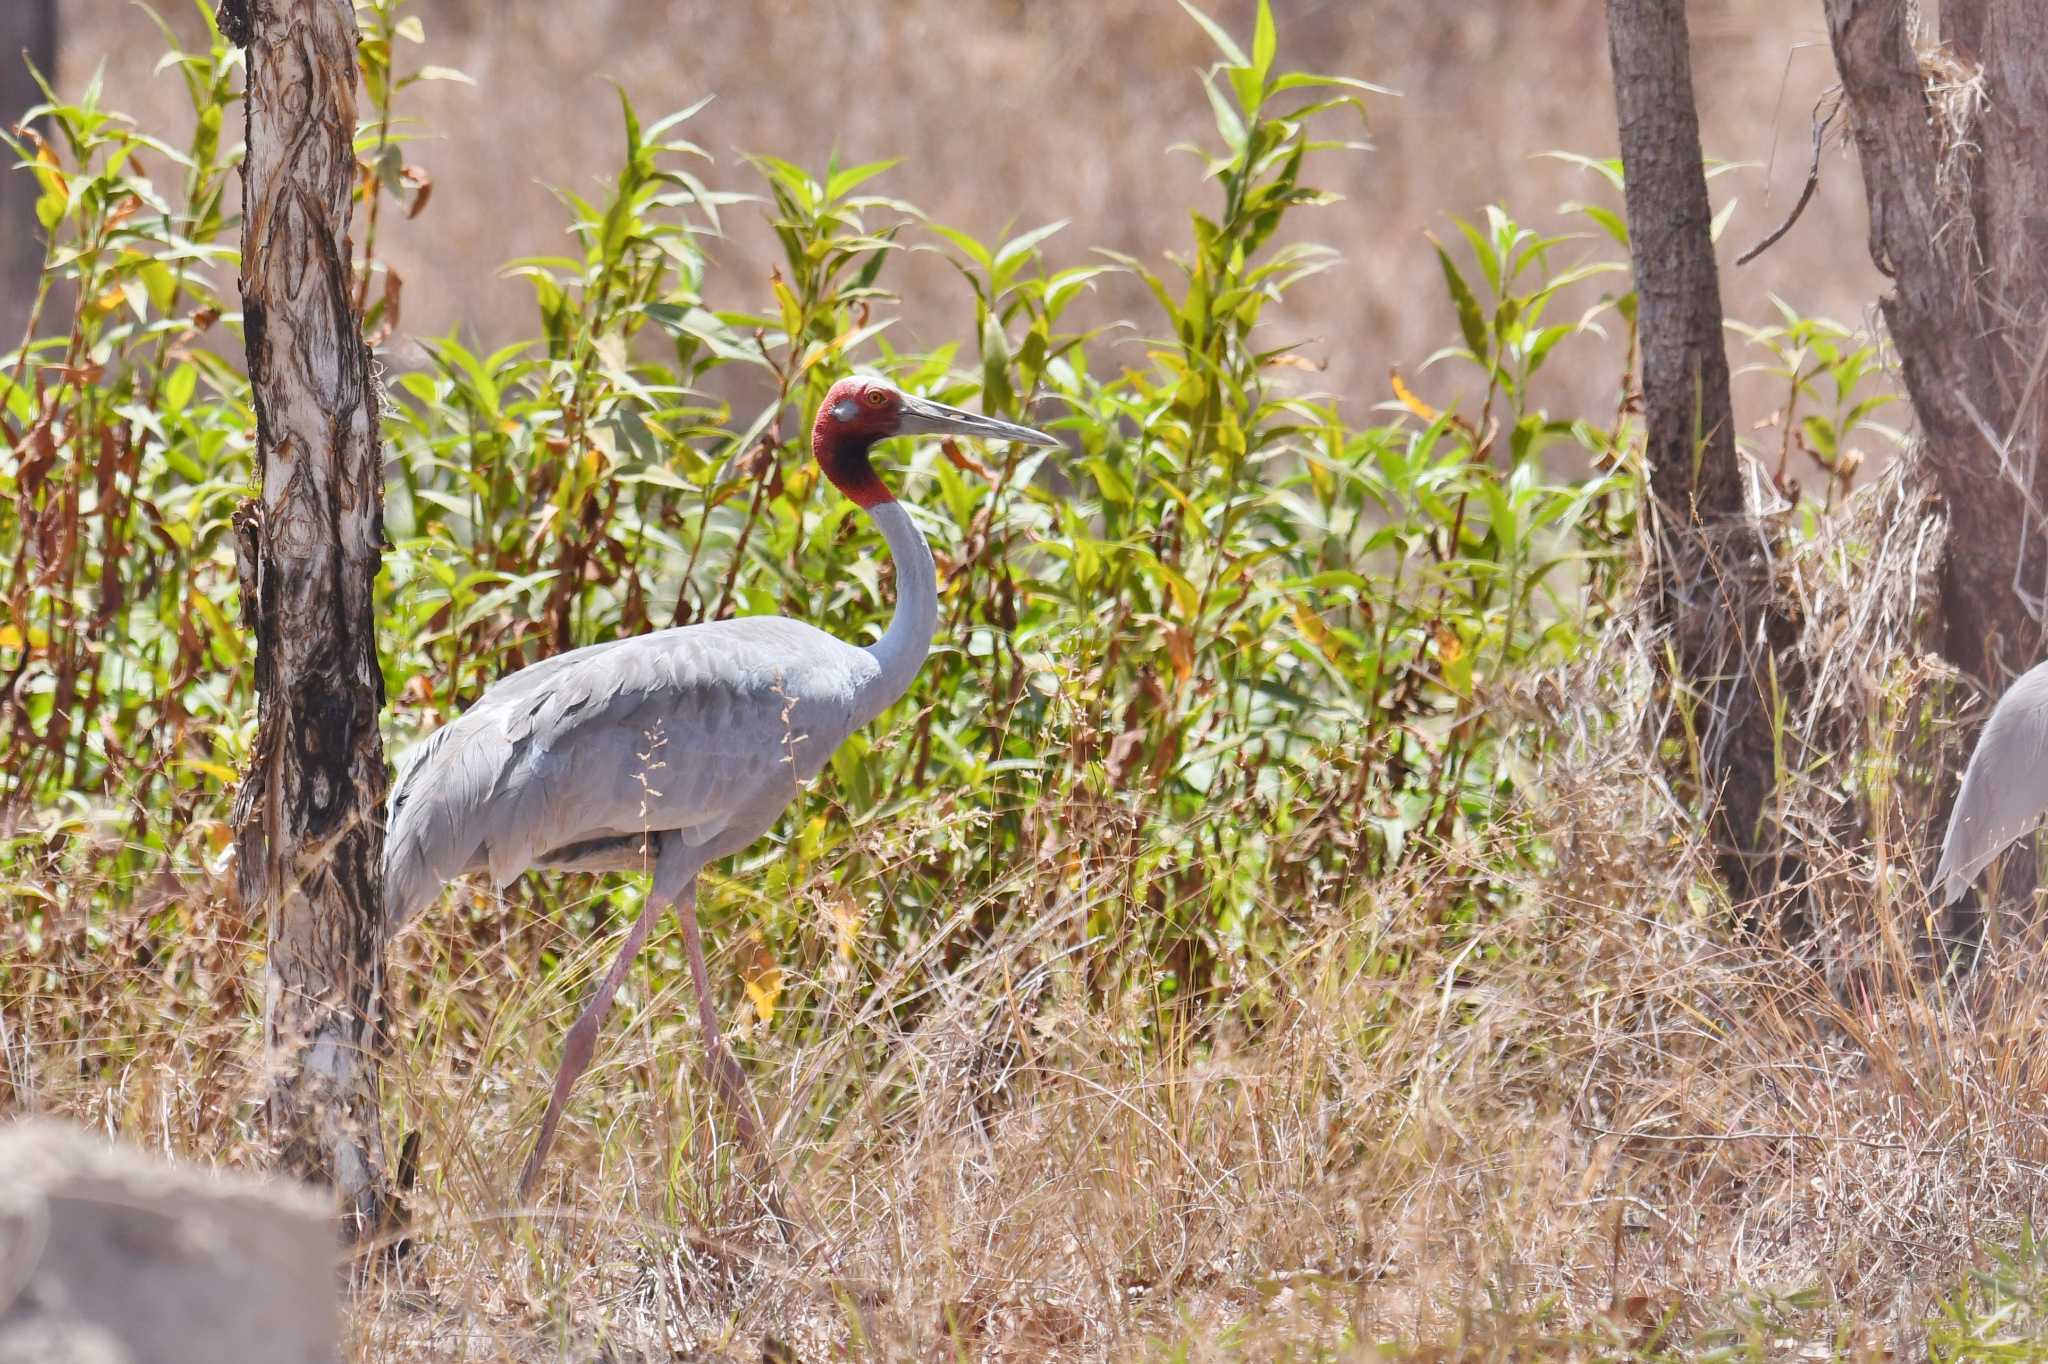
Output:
x,y
1958,194
1711,566
28,34
308,824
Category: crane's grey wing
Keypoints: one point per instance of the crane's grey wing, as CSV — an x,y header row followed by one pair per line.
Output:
x,y
573,761
2005,788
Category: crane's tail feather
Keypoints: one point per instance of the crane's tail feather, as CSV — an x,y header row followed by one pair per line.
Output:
x,y
423,837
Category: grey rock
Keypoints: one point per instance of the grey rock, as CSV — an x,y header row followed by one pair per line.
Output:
x,y
111,1256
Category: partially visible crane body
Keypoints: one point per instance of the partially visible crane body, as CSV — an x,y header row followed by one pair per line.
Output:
x,y
671,750
2005,788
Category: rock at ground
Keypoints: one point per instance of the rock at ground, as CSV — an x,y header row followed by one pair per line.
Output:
x,y
110,1256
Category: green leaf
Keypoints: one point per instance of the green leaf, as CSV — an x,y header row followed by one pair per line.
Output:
x,y
1471,321
843,183
1110,480
1607,168
1300,80
1232,53
1820,436
1017,251
1227,121
974,250
1721,219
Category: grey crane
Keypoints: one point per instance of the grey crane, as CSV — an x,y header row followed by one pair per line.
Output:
x,y
2005,787
673,749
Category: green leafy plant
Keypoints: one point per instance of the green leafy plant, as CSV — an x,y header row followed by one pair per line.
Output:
x,y
1225,641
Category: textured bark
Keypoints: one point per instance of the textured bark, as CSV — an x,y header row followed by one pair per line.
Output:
x,y
308,823
28,33
1710,579
1960,224
1958,197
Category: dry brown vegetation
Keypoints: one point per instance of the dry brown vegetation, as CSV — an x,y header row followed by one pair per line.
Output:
x,y
1602,1125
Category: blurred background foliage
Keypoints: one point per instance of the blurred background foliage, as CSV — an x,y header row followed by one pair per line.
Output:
x,y
1237,650
1007,114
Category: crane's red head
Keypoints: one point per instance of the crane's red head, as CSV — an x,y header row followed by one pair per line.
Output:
x,y
857,412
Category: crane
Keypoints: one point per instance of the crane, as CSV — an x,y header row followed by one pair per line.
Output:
x,y
670,750
2005,787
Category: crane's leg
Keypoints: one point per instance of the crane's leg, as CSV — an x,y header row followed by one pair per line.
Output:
x,y
582,1037
722,1068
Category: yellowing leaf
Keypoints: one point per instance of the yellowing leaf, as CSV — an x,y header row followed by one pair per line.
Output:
x,y
761,976
1289,360
1180,650
846,921
214,770
1456,660
1315,632
1448,646
10,637
1414,403
1408,398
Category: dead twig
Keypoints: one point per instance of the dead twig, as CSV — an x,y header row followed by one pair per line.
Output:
x,y
1820,131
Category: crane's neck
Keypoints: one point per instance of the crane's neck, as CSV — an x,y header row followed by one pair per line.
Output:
x,y
902,648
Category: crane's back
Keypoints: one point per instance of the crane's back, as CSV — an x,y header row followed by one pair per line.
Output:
x,y
698,730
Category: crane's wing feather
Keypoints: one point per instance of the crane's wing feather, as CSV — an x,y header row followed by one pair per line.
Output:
x,y
681,730
2005,788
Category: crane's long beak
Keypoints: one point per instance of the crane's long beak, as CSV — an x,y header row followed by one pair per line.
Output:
x,y
923,417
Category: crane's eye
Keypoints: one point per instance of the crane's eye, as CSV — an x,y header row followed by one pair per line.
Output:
x,y
877,397
843,410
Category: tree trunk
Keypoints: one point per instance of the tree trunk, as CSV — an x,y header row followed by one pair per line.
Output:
x,y
1958,194
1710,579
28,34
309,821
1956,177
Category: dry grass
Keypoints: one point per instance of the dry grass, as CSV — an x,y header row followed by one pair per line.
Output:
x,y
1544,1134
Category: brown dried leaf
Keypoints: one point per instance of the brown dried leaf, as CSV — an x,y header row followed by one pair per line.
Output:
x,y
758,460
387,309
423,189
1289,360
1123,753
1180,651
964,461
